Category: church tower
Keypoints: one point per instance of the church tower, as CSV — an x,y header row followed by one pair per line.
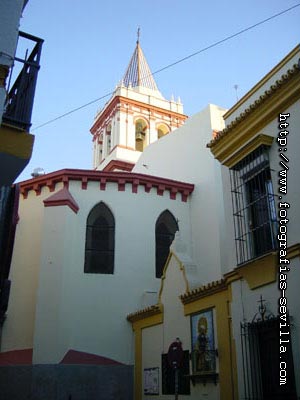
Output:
x,y
136,115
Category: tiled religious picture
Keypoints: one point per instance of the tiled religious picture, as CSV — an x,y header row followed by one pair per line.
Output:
x,y
203,343
151,382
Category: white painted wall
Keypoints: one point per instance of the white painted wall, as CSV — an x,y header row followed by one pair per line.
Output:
x,y
123,122
120,154
183,155
86,312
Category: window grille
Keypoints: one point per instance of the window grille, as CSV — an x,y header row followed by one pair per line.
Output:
x,y
100,241
253,205
261,360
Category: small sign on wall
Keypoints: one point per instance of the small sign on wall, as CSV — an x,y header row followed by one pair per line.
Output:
x,y
151,381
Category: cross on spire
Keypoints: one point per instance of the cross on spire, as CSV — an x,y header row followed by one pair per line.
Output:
x,y
138,35
138,73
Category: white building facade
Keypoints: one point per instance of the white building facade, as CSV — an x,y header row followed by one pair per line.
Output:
x,y
62,298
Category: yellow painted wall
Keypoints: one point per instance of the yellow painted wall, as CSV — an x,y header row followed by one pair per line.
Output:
x,y
18,329
220,301
154,334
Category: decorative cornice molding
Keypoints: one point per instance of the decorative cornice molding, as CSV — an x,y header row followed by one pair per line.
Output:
x,y
258,272
254,143
249,272
267,77
293,251
62,198
119,165
116,102
204,291
120,178
280,95
145,313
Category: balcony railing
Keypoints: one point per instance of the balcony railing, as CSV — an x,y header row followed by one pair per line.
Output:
x,y
19,103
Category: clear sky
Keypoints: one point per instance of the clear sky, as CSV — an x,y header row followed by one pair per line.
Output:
x,y
88,45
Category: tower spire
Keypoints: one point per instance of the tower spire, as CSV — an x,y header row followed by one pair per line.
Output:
x,y
138,73
138,58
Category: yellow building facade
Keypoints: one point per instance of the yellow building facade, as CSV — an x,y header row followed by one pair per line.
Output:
x,y
247,321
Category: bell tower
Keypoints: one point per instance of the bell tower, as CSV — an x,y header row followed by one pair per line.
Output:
x,y
136,115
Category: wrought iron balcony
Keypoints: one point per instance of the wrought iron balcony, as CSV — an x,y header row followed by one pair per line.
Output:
x,y
19,103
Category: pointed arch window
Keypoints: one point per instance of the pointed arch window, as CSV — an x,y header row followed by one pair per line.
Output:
x,y
100,241
165,229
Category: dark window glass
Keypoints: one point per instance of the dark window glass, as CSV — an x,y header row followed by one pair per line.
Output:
x,y
100,241
165,229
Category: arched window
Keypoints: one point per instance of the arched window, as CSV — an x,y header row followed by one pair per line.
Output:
x,y
140,134
165,228
100,241
108,139
162,130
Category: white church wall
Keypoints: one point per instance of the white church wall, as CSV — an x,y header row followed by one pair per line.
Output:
x,y
51,313
91,310
183,155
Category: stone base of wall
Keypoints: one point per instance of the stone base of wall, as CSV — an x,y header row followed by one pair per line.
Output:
x,y
66,382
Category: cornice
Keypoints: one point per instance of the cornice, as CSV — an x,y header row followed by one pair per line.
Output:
x,y
280,96
102,177
249,272
117,100
119,165
145,313
265,79
259,272
204,291
253,144
62,198
293,251
152,108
